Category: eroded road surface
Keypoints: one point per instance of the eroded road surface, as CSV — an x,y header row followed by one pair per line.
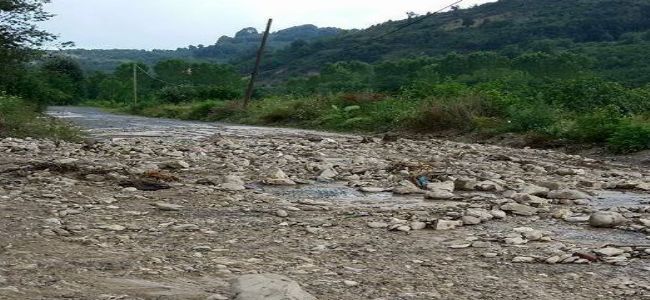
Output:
x,y
164,209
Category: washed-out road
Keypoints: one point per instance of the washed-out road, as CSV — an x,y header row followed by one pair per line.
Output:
x,y
166,209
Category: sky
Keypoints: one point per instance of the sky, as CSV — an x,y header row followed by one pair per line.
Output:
x,y
170,24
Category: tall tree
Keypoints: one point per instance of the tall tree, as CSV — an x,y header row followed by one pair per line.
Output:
x,y
19,35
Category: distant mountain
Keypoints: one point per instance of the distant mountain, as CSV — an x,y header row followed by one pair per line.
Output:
x,y
246,42
241,46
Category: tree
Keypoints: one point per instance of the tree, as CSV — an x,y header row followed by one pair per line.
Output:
x,y
19,36
65,75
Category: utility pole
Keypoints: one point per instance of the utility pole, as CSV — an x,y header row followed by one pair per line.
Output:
x,y
135,84
251,84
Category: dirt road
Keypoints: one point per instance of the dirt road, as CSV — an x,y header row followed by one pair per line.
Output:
x,y
164,209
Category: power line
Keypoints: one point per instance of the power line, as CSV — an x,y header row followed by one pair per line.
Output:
x,y
155,78
420,19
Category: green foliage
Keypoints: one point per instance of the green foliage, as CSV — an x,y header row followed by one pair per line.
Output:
x,y
185,93
452,113
596,126
20,119
533,116
583,95
630,136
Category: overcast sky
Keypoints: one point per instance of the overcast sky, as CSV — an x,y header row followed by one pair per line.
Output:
x,y
169,24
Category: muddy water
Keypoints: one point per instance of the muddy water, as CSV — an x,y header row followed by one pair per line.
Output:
x,y
612,199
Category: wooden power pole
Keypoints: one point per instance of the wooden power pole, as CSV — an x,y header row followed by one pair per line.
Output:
x,y
135,84
251,84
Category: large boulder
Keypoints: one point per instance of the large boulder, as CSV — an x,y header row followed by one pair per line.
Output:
x,y
268,287
606,219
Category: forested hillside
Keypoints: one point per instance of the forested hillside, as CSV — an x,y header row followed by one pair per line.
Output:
x,y
615,34
242,46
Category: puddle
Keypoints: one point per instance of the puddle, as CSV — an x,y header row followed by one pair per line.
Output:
x,y
612,199
577,234
344,195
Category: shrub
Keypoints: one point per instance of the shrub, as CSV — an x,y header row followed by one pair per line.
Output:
x,y
585,95
185,93
533,116
224,110
630,136
21,119
597,126
286,110
450,113
361,98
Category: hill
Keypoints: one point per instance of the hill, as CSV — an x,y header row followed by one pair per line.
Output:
x,y
241,46
601,29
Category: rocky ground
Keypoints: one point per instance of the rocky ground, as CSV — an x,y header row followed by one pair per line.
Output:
x,y
196,216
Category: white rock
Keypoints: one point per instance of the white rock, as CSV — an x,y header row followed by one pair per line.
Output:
x,y
377,225
534,235
519,209
606,219
535,190
418,225
268,287
232,186
470,220
447,224
498,214
515,241
480,213
53,221
553,260
441,186
609,251
327,175
439,195
350,283
523,259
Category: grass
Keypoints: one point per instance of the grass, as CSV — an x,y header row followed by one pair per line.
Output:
x,y
20,119
488,113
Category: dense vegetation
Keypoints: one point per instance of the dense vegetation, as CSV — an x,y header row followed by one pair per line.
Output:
x,y
612,33
60,79
548,97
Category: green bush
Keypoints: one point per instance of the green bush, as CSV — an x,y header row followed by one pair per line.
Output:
x,y
186,93
448,113
276,110
595,127
532,116
21,119
630,136
585,95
